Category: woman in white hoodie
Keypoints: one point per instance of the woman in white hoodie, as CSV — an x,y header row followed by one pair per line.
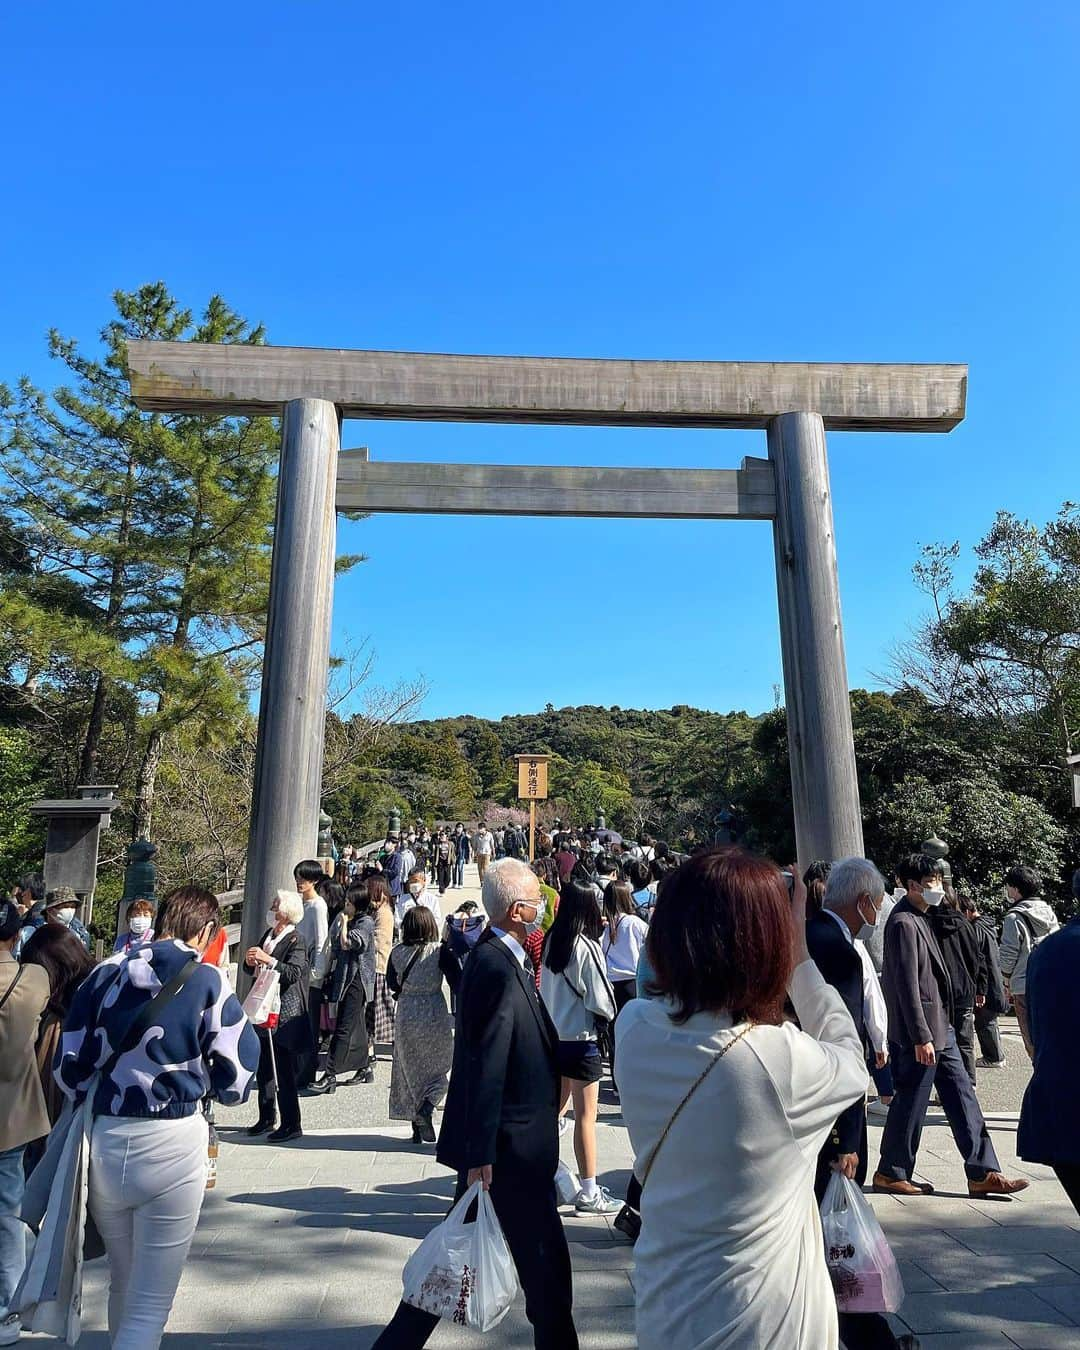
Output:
x,y
577,993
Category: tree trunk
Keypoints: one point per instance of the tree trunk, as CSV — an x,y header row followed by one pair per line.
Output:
x,y
96,725
145,783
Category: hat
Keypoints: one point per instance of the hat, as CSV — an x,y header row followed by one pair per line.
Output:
x,y
63,895
10,920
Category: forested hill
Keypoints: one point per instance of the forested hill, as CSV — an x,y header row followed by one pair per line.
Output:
x,y
685,774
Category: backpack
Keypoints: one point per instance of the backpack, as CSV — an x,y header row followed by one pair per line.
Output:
x,y
462,935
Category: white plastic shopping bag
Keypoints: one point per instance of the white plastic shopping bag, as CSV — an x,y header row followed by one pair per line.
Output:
x,y
863,1270
463,1271
264,998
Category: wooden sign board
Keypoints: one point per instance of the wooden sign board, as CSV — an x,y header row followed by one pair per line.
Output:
x,y
533,777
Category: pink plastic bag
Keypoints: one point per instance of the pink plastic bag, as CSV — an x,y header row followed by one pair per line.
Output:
x,y
863,1270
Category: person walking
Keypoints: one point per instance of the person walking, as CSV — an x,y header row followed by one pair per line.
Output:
x,y
461,854
500,1125
423,1032
728,1107
578,994
351,986
1049,1130
444,862
381,1010
24,995
621,941
148,1147
959,944
922,1047
284,1048
1027,922
393,865
994,1002
483,847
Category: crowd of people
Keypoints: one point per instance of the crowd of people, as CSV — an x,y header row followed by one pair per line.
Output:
x,y
746,1017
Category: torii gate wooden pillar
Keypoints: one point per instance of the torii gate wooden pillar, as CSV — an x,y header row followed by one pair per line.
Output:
x,y
313,389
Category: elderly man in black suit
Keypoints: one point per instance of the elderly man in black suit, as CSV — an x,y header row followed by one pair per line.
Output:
x,y
500,1125
922,1046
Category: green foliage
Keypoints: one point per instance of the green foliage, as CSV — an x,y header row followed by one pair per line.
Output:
x,y
21,780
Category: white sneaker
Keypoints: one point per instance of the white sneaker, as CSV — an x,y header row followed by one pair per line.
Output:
x,y
603,1202
990,1064
10,1329
878,1108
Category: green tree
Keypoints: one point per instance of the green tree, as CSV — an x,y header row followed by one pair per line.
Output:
x,y
153,533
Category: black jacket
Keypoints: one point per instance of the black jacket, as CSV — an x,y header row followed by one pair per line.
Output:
x,y
503,1103
959,943
1048,1119
293,1030
840,965
996,1002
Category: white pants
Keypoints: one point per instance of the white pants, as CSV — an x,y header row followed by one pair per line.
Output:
x,y
147,1182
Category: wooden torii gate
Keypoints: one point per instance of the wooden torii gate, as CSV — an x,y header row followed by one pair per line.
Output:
x,y
312,389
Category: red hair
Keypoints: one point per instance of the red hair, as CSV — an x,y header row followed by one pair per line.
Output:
x,y
722,937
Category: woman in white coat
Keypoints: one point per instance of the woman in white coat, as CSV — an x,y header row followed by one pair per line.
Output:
x,y
727,1108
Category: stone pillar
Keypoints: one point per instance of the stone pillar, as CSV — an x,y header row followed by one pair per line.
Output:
x,y
292,707
828,816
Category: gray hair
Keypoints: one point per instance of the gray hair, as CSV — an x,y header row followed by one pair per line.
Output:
x,y
850,878
502,886
290,906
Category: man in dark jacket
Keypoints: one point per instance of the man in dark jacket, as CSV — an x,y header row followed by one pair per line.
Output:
x,y
500,1124
993,1003
922,1047
1050,1117
959,945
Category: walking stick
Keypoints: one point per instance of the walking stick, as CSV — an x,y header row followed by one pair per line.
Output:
x,y
273,1068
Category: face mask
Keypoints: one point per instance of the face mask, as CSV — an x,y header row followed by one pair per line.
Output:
x,y
868,924
140,923
899,893
535,925
933,898
271,917
415,888
64,915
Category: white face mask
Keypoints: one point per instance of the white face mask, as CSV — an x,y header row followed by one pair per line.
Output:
x,y
140,923
416,888
272,917
899,893
64,915
535,925
932,897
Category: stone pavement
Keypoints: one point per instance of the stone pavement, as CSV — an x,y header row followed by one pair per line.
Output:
x,y
301,1247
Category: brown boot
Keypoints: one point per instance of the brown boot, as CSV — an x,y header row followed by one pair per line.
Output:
x,y
995,1183
892,1186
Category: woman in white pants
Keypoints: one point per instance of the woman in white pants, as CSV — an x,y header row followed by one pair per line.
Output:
x,y
148,1147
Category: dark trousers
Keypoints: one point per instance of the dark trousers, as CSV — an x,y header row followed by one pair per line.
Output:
x,y
349,1049
624,991
904,1123
964,1026
883,1079
442,874
525,1204
1069,1176
989,1034
288,1096
308,1060
866,1331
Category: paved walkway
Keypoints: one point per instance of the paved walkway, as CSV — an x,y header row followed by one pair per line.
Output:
x,y
301,1247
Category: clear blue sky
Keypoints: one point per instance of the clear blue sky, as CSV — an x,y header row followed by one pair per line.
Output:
x,y
789,181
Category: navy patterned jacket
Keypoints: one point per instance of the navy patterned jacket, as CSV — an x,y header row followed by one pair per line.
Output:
x,y
203,1043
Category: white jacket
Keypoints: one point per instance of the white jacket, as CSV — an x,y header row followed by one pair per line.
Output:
x,y
576,996
1024,927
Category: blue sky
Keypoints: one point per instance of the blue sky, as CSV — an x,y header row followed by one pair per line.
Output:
x,y
784,181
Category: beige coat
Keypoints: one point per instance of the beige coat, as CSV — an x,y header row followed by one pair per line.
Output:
x,y
23,1116
384,936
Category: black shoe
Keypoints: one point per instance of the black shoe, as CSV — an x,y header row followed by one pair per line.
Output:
x,y
423,1123
284,1133
417,1138
327,1087
361,1076
261,1126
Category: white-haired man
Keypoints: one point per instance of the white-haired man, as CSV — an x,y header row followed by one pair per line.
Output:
x,y
500,1122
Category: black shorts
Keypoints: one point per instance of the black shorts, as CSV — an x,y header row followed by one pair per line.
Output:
x,y
580,1060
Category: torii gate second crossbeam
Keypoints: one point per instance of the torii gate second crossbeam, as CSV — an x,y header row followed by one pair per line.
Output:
x,y
312,389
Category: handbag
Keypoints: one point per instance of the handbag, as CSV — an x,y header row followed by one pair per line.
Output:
x,y
602,1025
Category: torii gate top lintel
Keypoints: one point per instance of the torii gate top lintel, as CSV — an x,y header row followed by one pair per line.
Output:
x,y
235,379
